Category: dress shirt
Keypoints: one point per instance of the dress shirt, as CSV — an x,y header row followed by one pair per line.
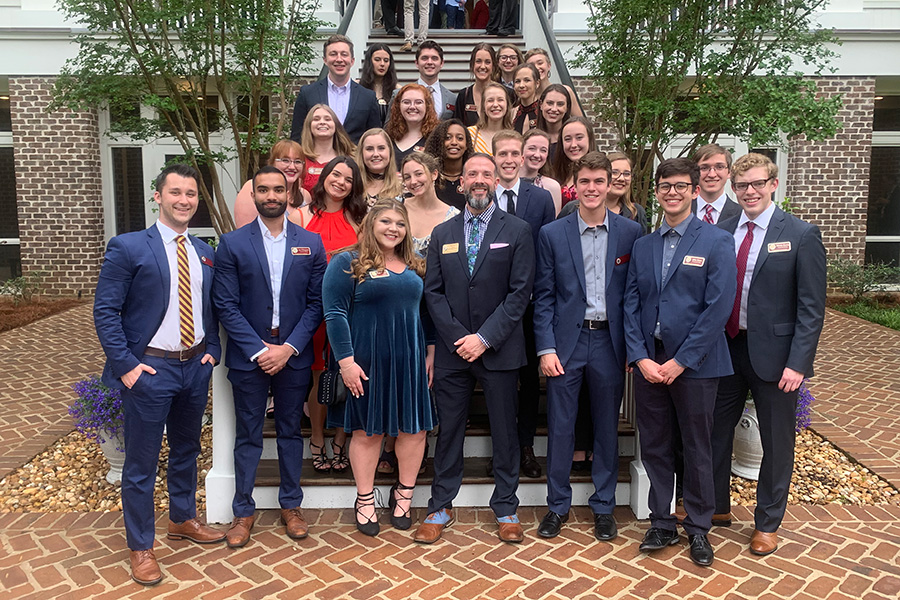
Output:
x,y
718,205
501,197
168,336
671,237
485,219
435,95
759,233
339,99
275,249
594,242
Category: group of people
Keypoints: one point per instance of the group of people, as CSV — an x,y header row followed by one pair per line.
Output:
x,y
416,278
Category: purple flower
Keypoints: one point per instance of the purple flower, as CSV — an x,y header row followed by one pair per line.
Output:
x,y
97,411
804,406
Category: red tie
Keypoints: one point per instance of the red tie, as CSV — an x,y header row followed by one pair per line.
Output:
x,y
733,324
708,216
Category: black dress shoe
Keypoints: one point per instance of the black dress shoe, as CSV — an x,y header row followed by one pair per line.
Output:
x,y
605,527
551,524
505,32
581,466
530,466
396,31
489,471
701,550
658,538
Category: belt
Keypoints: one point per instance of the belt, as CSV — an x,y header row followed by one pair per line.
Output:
x,y
596,324
182,355
273,332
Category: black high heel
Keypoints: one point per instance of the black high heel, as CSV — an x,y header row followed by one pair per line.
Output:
x,y
370,527
320,461
404,521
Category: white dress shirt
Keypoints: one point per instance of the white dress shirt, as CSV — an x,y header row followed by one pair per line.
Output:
x,y
501,197
275,247
717,205
759,233
435,95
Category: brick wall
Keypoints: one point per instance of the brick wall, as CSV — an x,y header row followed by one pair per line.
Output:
x,y
828,182
588,92
58,188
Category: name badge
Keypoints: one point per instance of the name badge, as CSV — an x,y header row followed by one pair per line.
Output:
x,y
419,148
449,248
779,247
315,170
471,108
623,259
499,245
451,107
694,261
206,261
300,250
378,274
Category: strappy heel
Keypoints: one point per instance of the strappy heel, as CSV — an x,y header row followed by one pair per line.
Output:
x,y
404,521
340,462
320,461
370,527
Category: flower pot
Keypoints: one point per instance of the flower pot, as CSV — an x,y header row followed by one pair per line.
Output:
x,y
110,445
748,450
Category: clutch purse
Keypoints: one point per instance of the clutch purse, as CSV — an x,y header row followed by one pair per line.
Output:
x,y
332,390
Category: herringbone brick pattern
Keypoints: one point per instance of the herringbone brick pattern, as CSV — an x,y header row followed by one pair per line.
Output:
x,y
38,365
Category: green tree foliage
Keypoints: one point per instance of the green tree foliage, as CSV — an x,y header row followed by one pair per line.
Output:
x,y
704,68
172,56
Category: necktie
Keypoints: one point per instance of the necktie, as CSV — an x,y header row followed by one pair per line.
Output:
x,y
472,245
437,109
185,305
708,216
510,205
743,252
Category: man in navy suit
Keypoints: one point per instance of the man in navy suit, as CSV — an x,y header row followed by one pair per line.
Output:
x,y
268,296
678,297
355,106
154,319
579,288
713,204
773,333
477,287
534,206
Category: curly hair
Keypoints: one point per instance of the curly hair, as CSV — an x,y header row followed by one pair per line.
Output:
x,y
396,126
434,145
369,256
562,166
392,185
482,113
340,140
367,75
354,204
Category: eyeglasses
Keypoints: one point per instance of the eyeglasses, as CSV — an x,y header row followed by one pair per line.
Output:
x,y
719,167
412,103
622,174
288,161
758,185
507,57
680,187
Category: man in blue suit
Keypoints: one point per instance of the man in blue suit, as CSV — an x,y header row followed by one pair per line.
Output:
x,y
579,287
534,206
678,296
355,106
268,296
154,319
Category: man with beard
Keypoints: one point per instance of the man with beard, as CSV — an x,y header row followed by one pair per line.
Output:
x,y
477,287
267,292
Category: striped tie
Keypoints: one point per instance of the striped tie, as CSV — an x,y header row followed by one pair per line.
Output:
x,y
708,218
185,305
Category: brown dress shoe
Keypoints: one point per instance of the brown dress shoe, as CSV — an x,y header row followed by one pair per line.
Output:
x,y
194,530
144,568
722,519
429,533
511,532
762,543
295,525
239,533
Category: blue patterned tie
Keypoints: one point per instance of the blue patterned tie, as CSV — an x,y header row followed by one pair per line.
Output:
x,y
472,246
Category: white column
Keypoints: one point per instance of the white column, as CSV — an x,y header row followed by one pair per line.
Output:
x,y
220,479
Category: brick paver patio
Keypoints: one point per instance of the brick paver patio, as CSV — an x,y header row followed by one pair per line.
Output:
x,y
833,552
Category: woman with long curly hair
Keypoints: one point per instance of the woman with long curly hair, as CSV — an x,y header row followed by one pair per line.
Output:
x,y
411,120
322,138
451,144
373,300
379,75
496,115
375,157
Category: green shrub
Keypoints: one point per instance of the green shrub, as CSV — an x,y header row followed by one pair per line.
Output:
x,y
858,280
889,317
23,288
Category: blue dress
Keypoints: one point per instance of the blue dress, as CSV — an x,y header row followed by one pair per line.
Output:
x,y
378,322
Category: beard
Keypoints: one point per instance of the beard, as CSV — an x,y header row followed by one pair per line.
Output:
x,y
479,204
271,212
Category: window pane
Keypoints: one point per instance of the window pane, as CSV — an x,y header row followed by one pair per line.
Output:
x,y
887,114
5,115
884,192
883,252
10,265
9,219
128,188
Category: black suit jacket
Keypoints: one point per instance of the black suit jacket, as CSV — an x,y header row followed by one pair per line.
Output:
x,y
363,113
492,301
731,209
534,205
786,302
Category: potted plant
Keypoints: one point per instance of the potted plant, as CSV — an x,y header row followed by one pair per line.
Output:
x,y
99,415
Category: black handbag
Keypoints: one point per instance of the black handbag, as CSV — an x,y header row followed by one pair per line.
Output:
x,y
332,390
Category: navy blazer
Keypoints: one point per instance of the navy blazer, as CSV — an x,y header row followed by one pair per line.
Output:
x,y
534,205
786,302
560,290
492,301
693,306
363,112
133,295
242,294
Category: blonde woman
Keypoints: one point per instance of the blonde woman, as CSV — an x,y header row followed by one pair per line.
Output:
x,y
375,157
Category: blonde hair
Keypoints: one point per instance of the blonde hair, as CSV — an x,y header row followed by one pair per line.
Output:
x,y
369,256
392,185
751,161
482,116
340,141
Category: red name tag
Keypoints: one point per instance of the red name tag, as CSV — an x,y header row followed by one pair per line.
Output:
x,y
206,261
623,259
300,251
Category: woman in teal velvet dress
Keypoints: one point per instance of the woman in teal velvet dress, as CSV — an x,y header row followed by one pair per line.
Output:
x,y
373,298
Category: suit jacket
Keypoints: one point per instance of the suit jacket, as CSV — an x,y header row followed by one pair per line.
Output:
x,y
242,294
133,295
492,301
363,113
560,289
534,206
693,306
731,209
447,100
786,302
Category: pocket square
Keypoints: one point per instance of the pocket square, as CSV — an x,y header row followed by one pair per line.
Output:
x,y
499,245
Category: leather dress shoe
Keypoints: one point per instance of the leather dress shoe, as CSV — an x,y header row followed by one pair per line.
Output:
x,y
489,470
722,519
429,533
658,538
144,568
551,524
605,527
762,543
239,533
530,466
194,530
511,532
294,524
701,550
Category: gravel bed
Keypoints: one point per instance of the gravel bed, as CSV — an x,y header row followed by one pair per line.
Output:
x,y
70,477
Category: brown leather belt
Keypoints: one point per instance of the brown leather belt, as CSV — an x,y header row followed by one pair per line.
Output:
x,y
182,355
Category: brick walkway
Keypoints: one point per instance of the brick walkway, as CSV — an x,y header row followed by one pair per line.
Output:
x,y
826,553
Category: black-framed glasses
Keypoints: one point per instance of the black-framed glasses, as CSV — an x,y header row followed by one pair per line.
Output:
x,y
680,187
758,185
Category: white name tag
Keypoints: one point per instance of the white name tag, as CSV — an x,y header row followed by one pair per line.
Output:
x,y
694,261
779,247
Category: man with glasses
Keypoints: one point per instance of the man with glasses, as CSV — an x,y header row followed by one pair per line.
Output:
x,y
678,296
713,205
772,334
